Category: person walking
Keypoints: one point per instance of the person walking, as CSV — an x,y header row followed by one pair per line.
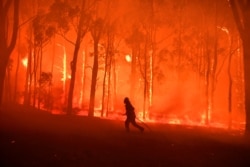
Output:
x,y
130,113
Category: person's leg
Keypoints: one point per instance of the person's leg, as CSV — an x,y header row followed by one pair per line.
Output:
x,y
127,125
137,126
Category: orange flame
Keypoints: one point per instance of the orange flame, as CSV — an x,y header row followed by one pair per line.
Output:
x,y
128,58
25,62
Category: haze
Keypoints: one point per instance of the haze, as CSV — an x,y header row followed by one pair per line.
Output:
x,y
178,61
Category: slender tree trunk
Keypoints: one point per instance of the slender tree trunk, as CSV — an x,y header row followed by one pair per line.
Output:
x,y
73,72
107,73
80,35
39,82
7,86
145,91
104,79
134,57
230,81
84,103
52,71
29,78
35,67
110,93
207,82
17,69
96,32
114,82
214,62
151,65
94,80
109,87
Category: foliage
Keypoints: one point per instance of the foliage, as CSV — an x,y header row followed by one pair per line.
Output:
x,y
57,20
42,30
62,13
45,79
45,82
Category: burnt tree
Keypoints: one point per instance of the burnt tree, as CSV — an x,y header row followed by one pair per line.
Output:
x,y
96,32
80,34
241,12
8,35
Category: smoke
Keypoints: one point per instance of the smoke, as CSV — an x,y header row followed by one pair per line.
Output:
x,y
179,99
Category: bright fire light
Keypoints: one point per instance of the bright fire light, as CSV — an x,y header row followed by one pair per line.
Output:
x,y
25,62
128,58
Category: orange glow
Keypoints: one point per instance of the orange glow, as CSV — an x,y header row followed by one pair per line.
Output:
x,y
171,73
128,58
25,62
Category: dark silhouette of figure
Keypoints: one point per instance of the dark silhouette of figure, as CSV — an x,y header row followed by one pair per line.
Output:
x,y
130,115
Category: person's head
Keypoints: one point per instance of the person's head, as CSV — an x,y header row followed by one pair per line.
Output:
x,y
126,100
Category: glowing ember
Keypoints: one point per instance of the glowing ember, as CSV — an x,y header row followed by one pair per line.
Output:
x,y
128,58
25,62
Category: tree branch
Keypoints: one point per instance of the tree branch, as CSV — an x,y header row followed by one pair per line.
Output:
x,y
237,18
64,37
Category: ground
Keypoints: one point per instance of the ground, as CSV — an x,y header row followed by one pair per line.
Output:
x,y
39,139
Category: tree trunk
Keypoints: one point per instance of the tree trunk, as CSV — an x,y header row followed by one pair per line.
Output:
x,y
84,101
107,74
246,53
133,74
207,84
94,80
145,91
114,83
230,80
109,87
104,78
16,72
73,72
35,67
214,62
40,72
28,80
80,35
97,30
2,74
241,12
5,47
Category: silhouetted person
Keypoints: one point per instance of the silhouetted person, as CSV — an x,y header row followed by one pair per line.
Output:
x,y
130,116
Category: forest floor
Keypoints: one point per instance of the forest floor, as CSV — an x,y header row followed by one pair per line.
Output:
x,y
39,139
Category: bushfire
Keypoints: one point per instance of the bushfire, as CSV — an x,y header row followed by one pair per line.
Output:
x,y
179,63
